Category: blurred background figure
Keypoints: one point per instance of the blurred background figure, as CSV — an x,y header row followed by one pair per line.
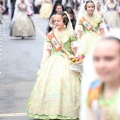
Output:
x,y
36,6
12,2
101,80
99,8
112,14
9,8
31,2
22,25
118,5
76,4
88,37
2,9
100,11
6,7
46,9
58,8
56,2
68,3
71,14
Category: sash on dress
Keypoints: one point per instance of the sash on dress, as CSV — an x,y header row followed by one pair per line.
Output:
x,y
57,45
93,100
88,26
76,66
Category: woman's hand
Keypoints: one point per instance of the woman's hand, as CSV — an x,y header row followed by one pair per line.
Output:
x,y
79,34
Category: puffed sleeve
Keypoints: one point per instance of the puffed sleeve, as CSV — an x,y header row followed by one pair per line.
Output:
x,y
80,27
101,24
74,42
48,45
46,51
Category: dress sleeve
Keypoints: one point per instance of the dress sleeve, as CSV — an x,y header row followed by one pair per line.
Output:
x,y
74,42
101,24
46,51
51,24
80,27
73,37
48,45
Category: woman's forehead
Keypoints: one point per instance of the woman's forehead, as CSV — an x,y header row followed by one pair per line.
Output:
x,y
90,4
57,16
106,46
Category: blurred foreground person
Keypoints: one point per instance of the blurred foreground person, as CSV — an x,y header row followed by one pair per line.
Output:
x,y
22,25
101,80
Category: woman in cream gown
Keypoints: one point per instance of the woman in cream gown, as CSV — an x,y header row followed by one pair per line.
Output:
x,y
112,15
56,94
22,24
46,9
99,8
87,38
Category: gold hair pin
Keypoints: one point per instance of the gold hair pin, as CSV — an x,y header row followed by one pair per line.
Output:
x,y
64,16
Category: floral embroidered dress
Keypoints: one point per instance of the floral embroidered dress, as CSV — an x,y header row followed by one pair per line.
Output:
x,y
23,25
56,94
88,38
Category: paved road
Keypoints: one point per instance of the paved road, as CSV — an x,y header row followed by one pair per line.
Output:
x,y
19,63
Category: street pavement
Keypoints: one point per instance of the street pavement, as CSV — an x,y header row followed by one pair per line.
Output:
x,y
19,63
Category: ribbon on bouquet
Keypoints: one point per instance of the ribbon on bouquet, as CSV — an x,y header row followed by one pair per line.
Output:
x,y
57,45
88,26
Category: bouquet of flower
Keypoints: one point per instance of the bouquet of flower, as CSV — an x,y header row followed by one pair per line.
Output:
x,y
76,63
78,59
29,13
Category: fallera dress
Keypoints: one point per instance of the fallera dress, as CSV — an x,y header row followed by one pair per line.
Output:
x,y
88,38
112,16
56,94
46,9
23,25
106,109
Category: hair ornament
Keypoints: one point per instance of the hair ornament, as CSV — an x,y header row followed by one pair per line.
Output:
x,y
64,16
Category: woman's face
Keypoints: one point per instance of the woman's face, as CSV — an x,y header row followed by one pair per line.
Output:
x,y
98,6
59,9
118,1
107,60
111,0
58,22
22,0
90,8
71,16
